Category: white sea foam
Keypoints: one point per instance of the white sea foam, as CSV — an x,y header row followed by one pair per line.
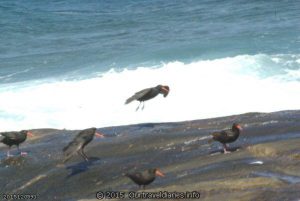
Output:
x,y
256,163
203,89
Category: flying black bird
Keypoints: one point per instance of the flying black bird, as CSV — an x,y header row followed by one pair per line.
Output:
x,y
14,138
144,178
147,94
227,136
79,142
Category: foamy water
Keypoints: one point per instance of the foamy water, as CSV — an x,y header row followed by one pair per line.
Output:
x,y
202,89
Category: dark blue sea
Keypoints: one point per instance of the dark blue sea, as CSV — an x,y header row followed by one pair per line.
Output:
x,y
72,64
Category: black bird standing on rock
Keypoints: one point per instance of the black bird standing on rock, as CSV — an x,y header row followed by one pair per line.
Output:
x,y
144,178
14,138
147,94
79,142
227,136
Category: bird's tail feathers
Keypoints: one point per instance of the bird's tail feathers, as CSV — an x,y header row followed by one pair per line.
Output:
x,y
67,155
129,100
66,158
70,149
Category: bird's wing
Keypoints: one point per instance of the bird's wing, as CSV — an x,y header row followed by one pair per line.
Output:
x,y
220,136
10,135
134,176
73,145
229,133
138,95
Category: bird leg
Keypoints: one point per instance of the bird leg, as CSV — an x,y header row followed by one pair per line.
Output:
x,y
81,153
21,153
142,187
87,158
8,154
138,107
225,149
143,105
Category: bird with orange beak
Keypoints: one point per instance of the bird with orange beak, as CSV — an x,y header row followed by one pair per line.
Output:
x,y
79,142
227,136
145,177
147,94
14,138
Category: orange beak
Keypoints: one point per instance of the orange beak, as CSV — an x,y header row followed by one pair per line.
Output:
x,y
30,134
159,173
99,134
239,127
165,91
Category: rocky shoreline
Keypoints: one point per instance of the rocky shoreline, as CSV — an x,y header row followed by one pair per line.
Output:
x,y
264,163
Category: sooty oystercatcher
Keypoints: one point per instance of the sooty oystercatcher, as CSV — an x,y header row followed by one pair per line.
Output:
x,y
147,94
79,142
14,138
227,136
145,177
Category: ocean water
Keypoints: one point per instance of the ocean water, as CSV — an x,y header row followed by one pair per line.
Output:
x,y
72,64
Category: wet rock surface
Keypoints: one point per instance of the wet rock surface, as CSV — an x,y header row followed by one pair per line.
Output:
x,y
264,163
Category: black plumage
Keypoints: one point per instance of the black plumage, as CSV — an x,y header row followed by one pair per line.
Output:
x,y
145,177
79,142
227,136
149,93
14,138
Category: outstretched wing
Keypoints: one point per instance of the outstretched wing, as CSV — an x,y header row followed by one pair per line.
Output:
x,y
138,95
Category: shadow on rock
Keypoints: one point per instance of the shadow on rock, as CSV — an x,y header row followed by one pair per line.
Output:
x,y
81,167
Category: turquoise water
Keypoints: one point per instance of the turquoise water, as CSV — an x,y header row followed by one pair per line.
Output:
x,y
75,38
